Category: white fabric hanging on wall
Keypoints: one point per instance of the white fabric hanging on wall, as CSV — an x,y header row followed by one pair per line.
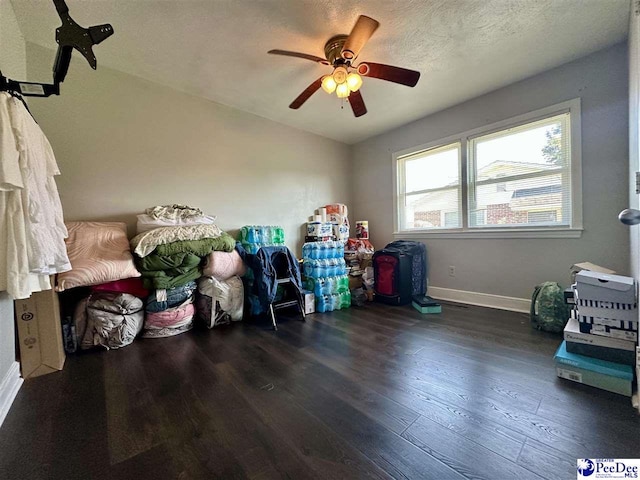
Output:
x,y
32,230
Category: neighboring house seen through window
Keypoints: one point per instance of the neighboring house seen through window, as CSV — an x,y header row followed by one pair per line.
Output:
x,y
521,175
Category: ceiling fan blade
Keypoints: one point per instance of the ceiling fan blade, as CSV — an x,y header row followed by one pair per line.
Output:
x,y
357,104
362,31
389,73
304,96
306,56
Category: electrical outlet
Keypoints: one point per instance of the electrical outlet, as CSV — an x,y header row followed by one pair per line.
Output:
x,y
452,271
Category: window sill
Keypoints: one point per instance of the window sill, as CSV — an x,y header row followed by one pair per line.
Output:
x,y
493,233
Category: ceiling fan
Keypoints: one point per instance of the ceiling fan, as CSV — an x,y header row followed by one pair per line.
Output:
x,y
340,52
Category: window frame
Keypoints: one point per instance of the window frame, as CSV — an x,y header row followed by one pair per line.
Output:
x,y
401,178
572,107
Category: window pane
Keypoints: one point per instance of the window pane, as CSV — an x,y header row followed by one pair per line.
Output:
x,y
520,176
438,209
432,169
534,147
529,201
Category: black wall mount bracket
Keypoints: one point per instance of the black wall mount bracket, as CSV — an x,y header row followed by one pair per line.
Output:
x,y
69,36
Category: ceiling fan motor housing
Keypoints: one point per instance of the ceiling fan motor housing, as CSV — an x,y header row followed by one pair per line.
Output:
x,y
333,47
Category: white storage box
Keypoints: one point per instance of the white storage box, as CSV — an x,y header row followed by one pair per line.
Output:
x,y
309,302
602,309
596,329
572,334
602,287
610,322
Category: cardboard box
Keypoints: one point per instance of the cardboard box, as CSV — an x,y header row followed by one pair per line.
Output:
x,y
39,334
578,267
355,281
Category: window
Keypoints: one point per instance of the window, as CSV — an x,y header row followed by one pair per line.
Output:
x,y
520,177
431,188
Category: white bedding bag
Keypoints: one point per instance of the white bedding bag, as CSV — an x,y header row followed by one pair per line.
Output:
x,y
219,301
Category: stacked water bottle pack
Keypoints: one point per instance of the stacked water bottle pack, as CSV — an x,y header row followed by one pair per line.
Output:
x,y
325,271
253,237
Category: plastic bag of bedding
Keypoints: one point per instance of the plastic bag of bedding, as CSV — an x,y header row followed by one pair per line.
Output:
x,y
108,319
219,302
170,322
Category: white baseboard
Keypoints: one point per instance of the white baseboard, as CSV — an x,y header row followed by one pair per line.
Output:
x,y
9,387
481,299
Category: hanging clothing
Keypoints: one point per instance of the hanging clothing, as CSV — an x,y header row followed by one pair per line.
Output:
x,y
32,227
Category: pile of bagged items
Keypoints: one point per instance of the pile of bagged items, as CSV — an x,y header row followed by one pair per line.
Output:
x,y
220,294
171,251
602,332
358,254
101,296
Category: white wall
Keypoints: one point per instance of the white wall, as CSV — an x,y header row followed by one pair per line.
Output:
x,y
124,144
12,54
511,267
13,65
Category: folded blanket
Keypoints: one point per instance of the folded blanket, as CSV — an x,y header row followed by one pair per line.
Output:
x,y
172,318
155,262
202,247
160,279
164,299
147,222
175,211
132,286
145,243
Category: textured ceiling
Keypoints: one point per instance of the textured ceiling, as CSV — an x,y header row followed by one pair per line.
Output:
x,y
216,49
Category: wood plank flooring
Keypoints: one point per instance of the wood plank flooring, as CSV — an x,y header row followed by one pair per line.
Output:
x,y
375,392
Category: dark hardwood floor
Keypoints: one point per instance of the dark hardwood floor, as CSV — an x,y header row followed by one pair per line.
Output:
x,y
374,392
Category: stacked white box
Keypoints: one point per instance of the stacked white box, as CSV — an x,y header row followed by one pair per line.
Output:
x,y
605,300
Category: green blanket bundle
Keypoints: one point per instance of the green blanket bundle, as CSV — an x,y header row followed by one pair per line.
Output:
x,y
174,264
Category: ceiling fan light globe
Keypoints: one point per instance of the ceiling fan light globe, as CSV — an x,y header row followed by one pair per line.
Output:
x,y
340,75
354,82
328,84
342,90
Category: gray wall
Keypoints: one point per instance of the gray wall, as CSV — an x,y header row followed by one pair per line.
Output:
x,y
13,65
124,144
511,267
